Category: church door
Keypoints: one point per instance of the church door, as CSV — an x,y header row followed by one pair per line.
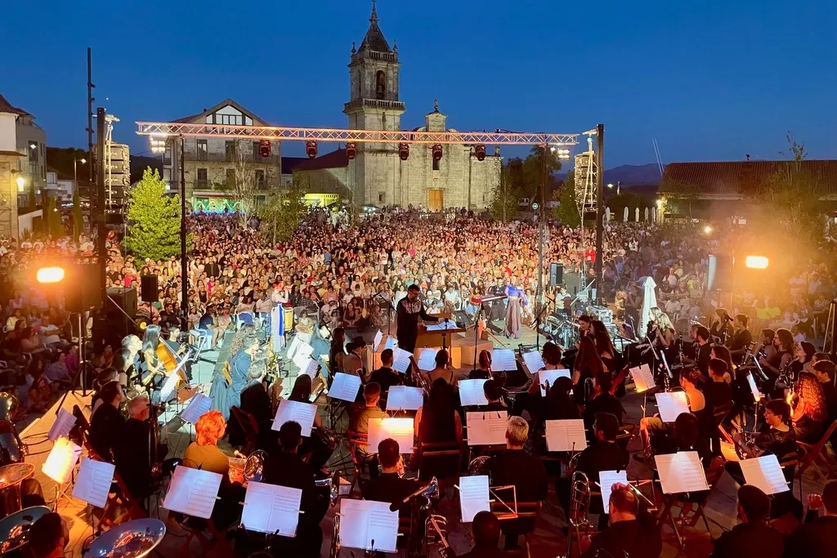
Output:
x,y
435,200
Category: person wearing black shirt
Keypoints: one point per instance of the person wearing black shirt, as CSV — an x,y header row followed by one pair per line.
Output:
x,y
385,376
753,537
389,486
603,401
285,468
485,532
525,472
817,537
632,532
742,338
409,311
107,423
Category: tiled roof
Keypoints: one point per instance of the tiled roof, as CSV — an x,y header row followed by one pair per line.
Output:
x,y
333,160
739,177
6,106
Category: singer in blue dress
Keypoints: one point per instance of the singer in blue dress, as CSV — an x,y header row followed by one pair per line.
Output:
x,y
516,297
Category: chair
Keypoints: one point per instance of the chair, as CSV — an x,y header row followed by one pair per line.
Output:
x,y
809,454
250,427
442,460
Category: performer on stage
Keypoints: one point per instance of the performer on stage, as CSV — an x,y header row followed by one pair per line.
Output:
x,y
226,392
409,311
516,296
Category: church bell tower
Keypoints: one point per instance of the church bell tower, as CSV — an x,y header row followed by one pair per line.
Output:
x,y
373,105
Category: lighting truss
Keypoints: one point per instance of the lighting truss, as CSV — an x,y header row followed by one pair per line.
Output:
x,y
278,133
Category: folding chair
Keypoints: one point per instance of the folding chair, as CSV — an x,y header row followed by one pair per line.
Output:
x,y
809,454
250,427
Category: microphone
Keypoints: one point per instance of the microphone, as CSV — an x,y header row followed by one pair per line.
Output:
x,y
426,490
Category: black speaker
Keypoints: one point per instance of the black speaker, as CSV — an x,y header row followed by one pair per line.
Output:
x,y
149,288
82,289
720,273
125,299
556,274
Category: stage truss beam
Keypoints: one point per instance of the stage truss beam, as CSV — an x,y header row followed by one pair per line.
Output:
x,y
278,133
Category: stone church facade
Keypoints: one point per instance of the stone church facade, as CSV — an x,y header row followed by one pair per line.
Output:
x,y
377,175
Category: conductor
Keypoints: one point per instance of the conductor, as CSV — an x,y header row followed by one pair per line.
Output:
x,y
409,311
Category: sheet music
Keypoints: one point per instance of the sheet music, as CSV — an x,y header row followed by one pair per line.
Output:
x,y
643,378
765,473
169,386
198,406
473,496
377,342
487,429
502,360
345,387
471,392
364,522
404,398
427,359
64,422
550,376
534,361
192,492
671,405
753,389
61,460
402,430
606,481
93,482
297,411
295,342
566,435
442,326
269,508
681,472
391,343
401,359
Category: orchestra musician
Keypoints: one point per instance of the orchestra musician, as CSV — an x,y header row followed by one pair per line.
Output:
x,y
631,531
817,537
515,467
409,311
753,537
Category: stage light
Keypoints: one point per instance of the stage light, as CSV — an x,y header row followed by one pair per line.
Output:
x,y
756,262
50,275
351,150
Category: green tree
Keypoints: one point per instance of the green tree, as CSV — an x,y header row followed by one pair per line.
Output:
x,y
282,213
567,210
153,219
78,220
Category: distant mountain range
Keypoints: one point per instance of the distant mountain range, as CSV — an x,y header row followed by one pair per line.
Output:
x,y
630,175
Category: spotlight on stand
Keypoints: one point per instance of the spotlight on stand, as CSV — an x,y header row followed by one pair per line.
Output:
x,y
351,150
437,152
311,149
480,152
404,151
264,148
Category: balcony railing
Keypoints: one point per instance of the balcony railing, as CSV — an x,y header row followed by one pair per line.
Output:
x,y
374,104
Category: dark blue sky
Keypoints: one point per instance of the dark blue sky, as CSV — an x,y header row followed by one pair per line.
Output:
x,y
711,80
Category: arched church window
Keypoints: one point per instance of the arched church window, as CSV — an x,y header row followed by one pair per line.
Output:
x,y
380,85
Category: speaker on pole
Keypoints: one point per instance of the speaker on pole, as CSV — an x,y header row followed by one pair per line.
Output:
x,y
149,288
556,274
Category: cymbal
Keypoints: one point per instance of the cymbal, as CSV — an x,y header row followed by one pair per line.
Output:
x,y
133,539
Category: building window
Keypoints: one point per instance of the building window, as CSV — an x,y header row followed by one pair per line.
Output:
x,y
203,150
435,164
230,178
380,85
229,150
260,179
